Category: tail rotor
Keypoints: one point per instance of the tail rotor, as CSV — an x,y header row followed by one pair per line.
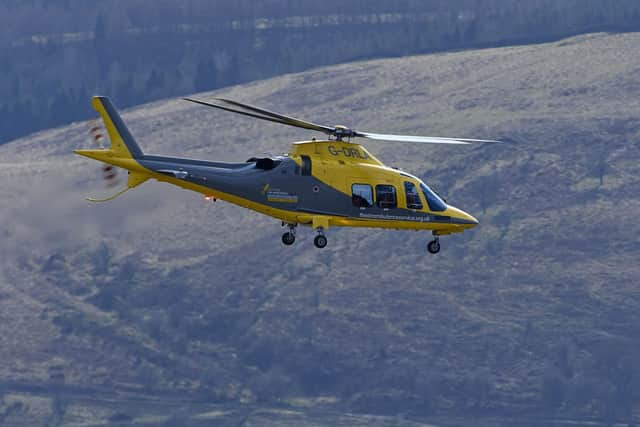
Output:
x,y
96,132
97,137
120,151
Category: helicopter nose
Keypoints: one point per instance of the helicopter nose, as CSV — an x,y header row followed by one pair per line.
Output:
x,y
463,218
472,220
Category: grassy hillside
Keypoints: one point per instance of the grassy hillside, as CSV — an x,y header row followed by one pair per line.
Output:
x,y
162,297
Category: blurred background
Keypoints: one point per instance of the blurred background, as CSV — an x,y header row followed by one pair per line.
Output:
x,y
55,54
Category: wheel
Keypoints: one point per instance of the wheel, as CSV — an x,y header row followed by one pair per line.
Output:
x,y
320,241
433,246
288,238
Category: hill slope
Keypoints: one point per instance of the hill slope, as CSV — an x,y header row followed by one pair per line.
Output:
x,y
161,294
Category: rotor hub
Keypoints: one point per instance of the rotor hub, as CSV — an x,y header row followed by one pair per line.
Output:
x,y
341,132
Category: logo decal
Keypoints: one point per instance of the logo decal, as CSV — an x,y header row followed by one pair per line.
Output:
x,y
278,196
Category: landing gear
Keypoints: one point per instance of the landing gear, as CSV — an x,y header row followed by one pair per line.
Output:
x,y
320,241
290,236
434,246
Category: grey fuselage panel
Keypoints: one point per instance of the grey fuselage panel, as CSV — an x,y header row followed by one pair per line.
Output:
x,y
281,187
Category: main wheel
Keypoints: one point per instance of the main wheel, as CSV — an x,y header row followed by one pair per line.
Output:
x,y
433,246
288,238
320,241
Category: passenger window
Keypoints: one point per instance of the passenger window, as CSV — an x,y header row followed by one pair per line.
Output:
x,y
306,165
362,195
413,198
386,196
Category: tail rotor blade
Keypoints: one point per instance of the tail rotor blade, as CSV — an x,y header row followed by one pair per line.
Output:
x,y
96,134
110,175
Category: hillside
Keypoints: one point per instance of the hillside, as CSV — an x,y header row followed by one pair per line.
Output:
x,y
162,297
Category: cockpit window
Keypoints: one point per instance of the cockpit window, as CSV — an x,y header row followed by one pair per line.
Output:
x,y
267,164
386,196
362,195
433,200
413,198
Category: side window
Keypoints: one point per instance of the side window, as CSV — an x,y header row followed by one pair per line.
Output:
x,y
306,165
413,198
386,196
362,195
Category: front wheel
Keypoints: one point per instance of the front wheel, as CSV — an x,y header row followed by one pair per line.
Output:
x,y
320,241
288,238
433,247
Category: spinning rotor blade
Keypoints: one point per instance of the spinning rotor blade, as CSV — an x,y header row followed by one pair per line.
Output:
x,y
284,119
421,139
339,132
109,172
259,113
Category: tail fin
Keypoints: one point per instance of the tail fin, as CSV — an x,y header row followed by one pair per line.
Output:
x,y
124,151
122,142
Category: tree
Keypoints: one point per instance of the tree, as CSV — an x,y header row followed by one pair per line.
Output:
x,y
100,33
205,78
553,390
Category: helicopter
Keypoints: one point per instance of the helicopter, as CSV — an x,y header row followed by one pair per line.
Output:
x,y
333,182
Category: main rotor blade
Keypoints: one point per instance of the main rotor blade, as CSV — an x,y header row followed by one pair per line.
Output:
x,y
285,119
338,132
421,139
265,115
233,111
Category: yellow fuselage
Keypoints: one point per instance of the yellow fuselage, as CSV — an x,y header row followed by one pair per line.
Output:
x,y
341,164
337,164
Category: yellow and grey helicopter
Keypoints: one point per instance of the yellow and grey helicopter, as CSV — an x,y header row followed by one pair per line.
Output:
x,y
321,183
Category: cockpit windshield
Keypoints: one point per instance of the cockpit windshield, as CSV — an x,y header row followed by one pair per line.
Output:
x,y
436,204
